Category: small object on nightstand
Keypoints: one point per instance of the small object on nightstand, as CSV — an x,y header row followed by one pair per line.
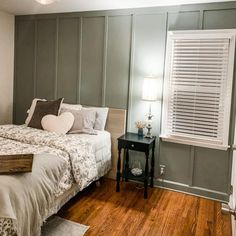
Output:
x,y
140,132
136,171
136,168
131,141
140,125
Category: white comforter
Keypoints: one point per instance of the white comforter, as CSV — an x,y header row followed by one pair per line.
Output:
x,y
77,163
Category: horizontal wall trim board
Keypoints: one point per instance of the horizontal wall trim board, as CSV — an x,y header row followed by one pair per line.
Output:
x,y
145,10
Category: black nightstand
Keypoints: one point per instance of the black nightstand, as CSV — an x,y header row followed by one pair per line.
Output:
x,y
131,141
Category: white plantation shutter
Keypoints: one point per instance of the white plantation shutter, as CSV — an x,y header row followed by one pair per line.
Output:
x,y
197,90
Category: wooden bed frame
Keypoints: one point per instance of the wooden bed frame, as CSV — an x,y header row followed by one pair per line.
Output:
x,y
116,125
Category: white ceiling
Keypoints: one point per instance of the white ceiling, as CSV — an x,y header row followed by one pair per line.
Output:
x,y
21,7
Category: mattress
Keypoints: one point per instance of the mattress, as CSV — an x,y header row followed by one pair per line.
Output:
x,y
101,144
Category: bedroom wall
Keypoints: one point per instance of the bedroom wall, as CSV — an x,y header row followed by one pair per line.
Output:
x,y
100,58
6,66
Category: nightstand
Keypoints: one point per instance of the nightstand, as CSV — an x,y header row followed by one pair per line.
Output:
x,y
131,141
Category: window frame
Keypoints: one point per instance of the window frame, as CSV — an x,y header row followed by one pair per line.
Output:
x,y
191,34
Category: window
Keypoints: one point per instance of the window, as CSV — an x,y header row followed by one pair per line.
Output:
x,y
198,87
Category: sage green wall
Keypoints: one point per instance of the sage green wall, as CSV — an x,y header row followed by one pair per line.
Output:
x,y
100,58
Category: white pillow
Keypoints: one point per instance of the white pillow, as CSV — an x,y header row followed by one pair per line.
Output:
x,y
67,107
32,108
101,118
59,124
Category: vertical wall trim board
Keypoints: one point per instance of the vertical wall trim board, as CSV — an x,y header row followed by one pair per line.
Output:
x,y
163,72
130,66
131,71
230,169
233,105
56,59
164,64
201,19
104,69
80,60
35,56
232,125
15,73
79,27
191,165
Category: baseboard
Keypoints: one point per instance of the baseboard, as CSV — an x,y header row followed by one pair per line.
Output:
x,y
184,188
193,190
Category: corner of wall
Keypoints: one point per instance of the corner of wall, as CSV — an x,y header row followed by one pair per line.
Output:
x,y
7,28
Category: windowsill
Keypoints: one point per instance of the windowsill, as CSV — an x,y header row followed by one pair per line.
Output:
x,y
193,143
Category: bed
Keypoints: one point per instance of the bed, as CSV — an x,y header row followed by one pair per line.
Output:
x,y
63,165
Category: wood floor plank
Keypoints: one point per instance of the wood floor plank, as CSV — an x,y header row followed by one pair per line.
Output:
x,y
127,214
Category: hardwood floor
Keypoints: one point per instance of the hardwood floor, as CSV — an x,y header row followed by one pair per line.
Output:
x,y
164,213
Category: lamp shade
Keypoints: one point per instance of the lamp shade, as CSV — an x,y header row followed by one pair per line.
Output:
x,y
45,2
150,89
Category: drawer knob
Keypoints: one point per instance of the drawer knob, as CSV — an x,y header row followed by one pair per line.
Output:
x,y
132,145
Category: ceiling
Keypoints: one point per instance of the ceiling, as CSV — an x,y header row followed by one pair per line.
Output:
x,y
24,7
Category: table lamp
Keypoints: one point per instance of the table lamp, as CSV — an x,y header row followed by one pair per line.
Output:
x,y
149,94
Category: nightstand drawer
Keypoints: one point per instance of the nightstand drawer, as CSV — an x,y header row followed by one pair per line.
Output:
x,y
133,146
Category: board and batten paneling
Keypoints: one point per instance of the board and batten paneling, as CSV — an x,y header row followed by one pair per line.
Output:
x,y
92,61
118,61
148,59
24,68
100,59
184,20
220,19
68,59
45,58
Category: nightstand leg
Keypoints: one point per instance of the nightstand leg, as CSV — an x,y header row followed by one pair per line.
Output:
x,y
146,176
152,165
126,164
118,172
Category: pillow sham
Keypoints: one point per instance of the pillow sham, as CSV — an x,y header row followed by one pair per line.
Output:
x,y
101,116
32,108
42,109
59,124
84,122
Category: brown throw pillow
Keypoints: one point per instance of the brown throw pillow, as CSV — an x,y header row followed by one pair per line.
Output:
x,y
42,109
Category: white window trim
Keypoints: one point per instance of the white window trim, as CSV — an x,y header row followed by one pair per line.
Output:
x,y
231,33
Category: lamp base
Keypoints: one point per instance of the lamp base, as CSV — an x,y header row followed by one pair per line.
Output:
x,y
148,134
149,126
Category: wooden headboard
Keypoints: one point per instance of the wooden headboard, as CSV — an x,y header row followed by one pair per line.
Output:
x,y
116,123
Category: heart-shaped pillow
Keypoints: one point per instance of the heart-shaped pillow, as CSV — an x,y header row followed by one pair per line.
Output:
x,y
60,124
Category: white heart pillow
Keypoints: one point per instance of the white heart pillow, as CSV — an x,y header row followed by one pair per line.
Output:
x,y
59,124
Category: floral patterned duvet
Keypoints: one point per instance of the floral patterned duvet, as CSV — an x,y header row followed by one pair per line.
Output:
x,y
77,154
